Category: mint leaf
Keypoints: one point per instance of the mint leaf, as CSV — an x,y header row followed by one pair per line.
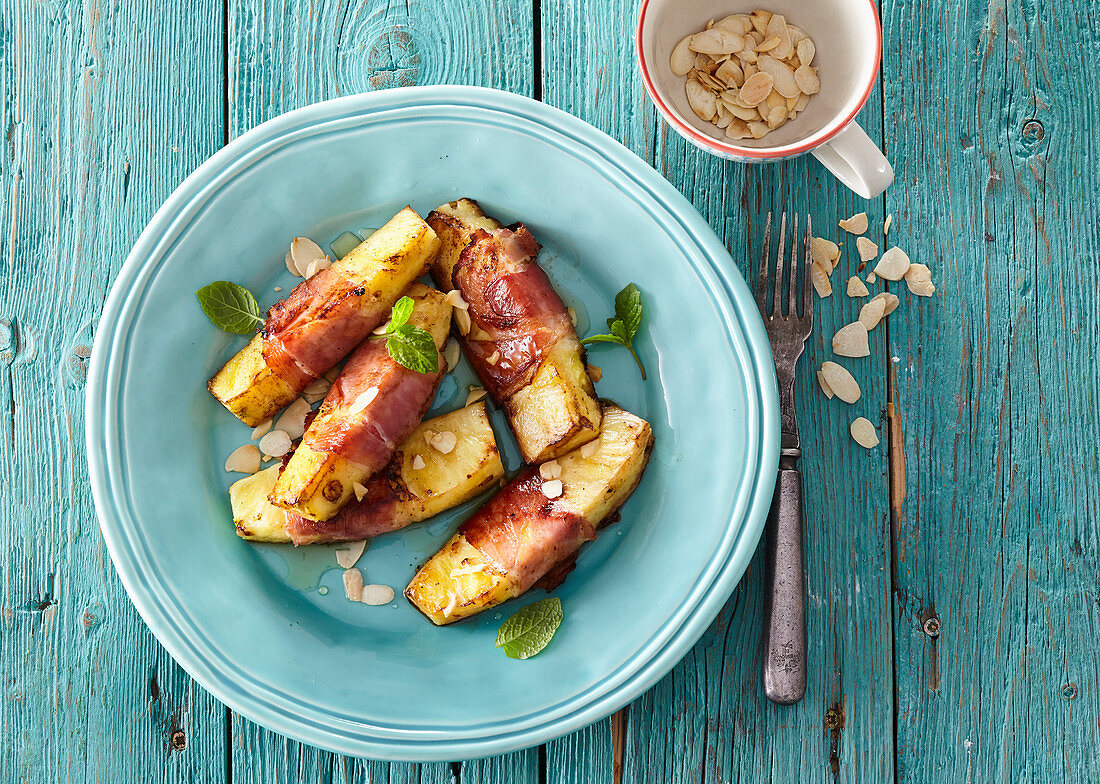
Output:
x,y
399,316
230,307
414,348
624,326
628,309
531,629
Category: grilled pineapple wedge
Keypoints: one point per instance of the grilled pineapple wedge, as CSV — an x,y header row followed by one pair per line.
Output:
x,y
411,494
383,266
558,410
462,579
317,483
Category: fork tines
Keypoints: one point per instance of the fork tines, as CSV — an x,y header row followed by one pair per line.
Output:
x,y
775,311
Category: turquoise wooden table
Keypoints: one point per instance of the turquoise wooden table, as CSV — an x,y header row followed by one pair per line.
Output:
x,y
952,573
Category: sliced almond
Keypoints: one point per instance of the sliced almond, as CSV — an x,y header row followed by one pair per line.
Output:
x,y
450,354
760,19
317,265
857,288
364,399
893,265
730,73
886,225
319,386
462,318
919,280
747,56
452,603
276,443
475,394
552,488
872,278
857,224
805,51
806,79
842,382
417,462
717,41
244,459
891,301
376,595
755,89
824,385
872,312
455,300
735,23
595,372
292,268
867,249
572,315
767,44
590,448
349,553
551,469
493,358
776,117
353,584
381,329
864,433
824,251
305,251
742,113
777,28
819,279
782,73
682,58
737,129
261,430
444,442
851,341
758,129
293,419
801,101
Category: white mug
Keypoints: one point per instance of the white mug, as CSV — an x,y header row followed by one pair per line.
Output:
x,y
848,39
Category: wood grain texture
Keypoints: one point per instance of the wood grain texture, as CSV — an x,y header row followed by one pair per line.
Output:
x,y
108,107
998,384
283,56
708,720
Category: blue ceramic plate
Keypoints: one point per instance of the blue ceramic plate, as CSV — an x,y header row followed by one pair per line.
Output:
x,y
266,628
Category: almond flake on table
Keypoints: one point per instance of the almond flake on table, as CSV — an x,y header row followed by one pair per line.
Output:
x,y
857,224
867,249
552,488
293,419
919,280
819,278
363,400
376,595
891,301
857,288
851,341
872,278
261,430
349,553
824,252
353,584
893,265
276,443
824,385
842,382
359,489
244,459
475,394
872,313
886,225
864,433
444,442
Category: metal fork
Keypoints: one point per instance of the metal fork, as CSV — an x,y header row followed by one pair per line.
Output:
x,y
785,609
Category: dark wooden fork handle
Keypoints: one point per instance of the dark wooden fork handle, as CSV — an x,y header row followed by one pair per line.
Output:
x,y
785,611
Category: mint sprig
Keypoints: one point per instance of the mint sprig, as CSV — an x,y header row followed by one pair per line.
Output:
x,y
230,307
409,345
531,629
624,326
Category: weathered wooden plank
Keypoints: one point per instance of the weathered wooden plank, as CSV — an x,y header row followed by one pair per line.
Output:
x,y
282,56
998,380
708,720
108,106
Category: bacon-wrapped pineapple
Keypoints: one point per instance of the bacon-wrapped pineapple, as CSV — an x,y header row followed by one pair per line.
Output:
x,y
374,404
536,522
420,482
323,319
519,336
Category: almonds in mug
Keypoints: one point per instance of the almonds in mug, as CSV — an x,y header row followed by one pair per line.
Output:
x,y
842,382
716,41
700,99
782,73
756,89
806,79
682,59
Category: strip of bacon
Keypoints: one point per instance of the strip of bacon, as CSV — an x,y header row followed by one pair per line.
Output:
x,y
517,315
399,400
524,533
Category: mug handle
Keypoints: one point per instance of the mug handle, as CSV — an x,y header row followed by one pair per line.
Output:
x,y
856,161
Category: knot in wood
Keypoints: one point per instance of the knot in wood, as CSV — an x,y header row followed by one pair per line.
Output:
x,y
393,60
832,719
1034,131
932,627
178,740
76,366
1069,691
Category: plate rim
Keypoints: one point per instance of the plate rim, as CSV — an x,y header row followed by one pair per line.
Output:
x,y
736,301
